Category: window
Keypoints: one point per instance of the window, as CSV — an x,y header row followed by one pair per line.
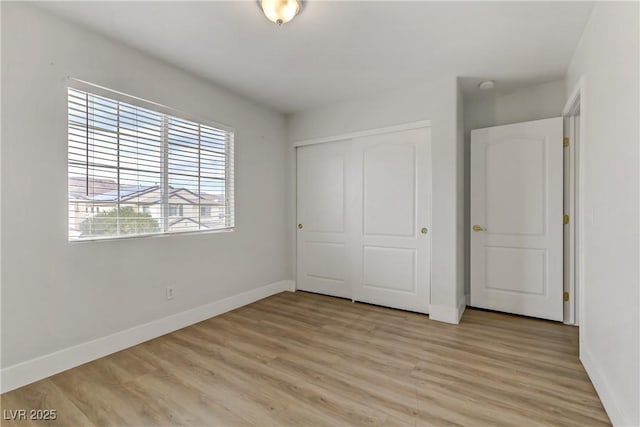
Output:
x,y
137,169
176,210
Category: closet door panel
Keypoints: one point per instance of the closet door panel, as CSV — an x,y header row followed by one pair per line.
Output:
x,y
390,258
323,255
389,202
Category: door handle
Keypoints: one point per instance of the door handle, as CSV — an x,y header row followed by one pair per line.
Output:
x,y
477,228
300,226
424,230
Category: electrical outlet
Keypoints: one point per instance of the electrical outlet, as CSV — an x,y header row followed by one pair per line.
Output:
x,y
169,291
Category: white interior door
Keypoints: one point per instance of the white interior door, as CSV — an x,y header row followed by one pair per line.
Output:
x,y
392,191
516,218
323,255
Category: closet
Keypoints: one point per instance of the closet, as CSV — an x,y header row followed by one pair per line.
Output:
x,y
364,212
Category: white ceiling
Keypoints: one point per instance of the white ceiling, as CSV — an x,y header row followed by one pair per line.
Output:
x,y
339,50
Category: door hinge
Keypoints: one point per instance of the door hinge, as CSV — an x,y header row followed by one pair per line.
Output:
x,y
565,142
565,296
565,219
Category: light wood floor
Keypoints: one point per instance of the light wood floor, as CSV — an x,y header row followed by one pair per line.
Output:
x,y
299,359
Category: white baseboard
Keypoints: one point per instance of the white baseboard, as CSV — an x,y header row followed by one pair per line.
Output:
x,y
447,314
41,367
615,413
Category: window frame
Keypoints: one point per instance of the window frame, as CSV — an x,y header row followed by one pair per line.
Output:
x,y
229,206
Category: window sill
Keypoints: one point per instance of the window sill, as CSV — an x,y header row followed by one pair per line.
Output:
x,y
153,235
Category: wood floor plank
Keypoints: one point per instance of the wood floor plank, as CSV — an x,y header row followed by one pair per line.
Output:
x,y
46,396
301,359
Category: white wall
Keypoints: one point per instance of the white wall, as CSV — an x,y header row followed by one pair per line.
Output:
x,y
607,57
57,294
496,108
437,103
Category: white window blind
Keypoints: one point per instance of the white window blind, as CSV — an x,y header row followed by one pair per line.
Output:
x,y
135,171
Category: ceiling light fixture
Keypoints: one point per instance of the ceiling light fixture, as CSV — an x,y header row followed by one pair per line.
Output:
x,y
487,84
280,11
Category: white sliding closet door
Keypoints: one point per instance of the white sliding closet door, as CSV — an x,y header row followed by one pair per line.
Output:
x,y
322,244
390,259
363,219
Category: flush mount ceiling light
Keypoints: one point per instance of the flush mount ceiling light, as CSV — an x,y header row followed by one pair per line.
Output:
x,y
280,11
487,84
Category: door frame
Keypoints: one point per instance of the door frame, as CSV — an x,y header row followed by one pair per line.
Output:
x,y
367,132
342,137
574,262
